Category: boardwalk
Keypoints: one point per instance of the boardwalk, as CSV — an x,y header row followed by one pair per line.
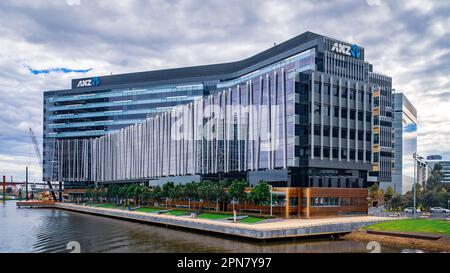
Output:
x,y
286,228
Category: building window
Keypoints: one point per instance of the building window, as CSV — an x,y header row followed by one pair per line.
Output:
x,y
336,132
344,112
353,94
343,132
327,110
360,155
324,201
326,152
317,151
317,108
326,131
317,130
335,153
293,201
336,112
368,117
335,91
352,114
344,93
361,135
376,138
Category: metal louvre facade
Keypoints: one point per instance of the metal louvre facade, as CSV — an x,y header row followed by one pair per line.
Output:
x,y
249,126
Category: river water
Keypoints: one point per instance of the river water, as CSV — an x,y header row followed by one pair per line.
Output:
x,y
50,230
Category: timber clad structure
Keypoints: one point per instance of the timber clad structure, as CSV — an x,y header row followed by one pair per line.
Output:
x,y
301,114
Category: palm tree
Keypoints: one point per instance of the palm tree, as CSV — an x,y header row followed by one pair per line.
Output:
x,y
167,191
191,191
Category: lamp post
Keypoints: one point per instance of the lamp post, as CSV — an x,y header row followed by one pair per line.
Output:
x,y
448,204
271,203
414,185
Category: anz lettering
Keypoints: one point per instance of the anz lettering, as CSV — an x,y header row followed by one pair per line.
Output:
x,y
89,82
352,50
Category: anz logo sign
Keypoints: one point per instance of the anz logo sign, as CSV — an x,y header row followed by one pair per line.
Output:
x,y
95,81
352,50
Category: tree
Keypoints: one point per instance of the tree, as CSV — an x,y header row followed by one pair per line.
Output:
x,y
388,195
435,179
178,191
206,190
220,193
260,194
237,190
156,194
191,190
114,192
374,193
431,199
396,202
408,198
167,189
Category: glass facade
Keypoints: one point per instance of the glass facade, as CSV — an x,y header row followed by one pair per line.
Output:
x,y
96,113
247,126
405,124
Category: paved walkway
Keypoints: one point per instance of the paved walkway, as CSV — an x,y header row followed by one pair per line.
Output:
x,y
283,228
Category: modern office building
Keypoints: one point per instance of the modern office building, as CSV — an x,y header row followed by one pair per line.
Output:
x,y
432,160
405,130
309,112
383,119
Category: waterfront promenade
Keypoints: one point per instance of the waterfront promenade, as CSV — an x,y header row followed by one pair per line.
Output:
x,y
275,229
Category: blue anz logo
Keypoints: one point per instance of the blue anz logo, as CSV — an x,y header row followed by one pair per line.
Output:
x,y
95,81
355,51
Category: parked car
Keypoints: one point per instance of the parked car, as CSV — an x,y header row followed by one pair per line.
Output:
x,y
411,210
439,210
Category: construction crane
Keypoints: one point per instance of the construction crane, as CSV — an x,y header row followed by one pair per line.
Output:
x,y
39,157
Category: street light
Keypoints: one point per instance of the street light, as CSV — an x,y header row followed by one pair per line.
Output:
x,y
414,185
271,203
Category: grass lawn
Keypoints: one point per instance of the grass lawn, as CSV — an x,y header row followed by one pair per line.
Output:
x,y
214,216
108,206
414,225
177,212
147,210
251,220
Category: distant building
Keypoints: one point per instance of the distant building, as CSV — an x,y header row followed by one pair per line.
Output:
x,y
434,157
437,159
405,145
422,171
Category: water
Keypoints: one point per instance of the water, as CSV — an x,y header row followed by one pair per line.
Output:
x,y
49,230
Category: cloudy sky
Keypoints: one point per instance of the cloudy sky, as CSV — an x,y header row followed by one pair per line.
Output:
x,y
43,44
